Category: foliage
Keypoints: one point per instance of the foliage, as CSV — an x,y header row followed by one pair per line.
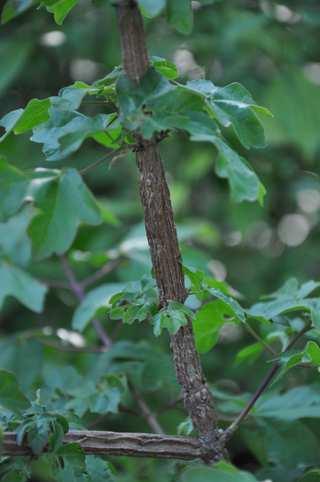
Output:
x,y
74,255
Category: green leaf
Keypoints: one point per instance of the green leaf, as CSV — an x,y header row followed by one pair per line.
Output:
x,y
207,323
291,288
42,429
59,126
14,54
233,105
289,298
294,123
64,202
108,393
60,9
9,121
65,132
311,476
278,445
20,285
165,67
172,317
312,351
221,472
151,8
11,397
244,183
73,467
185,428
36,112
237,310
287,362
180,15
13,189
135,101
98,470
14,476
101,396
299,402
13,8
95,300
23,358
250,353
14,242
201,282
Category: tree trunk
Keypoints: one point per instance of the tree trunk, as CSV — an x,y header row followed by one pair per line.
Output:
x,y
164,248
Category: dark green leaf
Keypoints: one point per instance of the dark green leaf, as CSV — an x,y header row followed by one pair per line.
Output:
x,y
64,202
222,472
65,132
244,183
14,54
20,285
13,8
299,402
179,13
73,468
98,470
13,189
172,318
234,105
311,476
14,242
60,9
11,397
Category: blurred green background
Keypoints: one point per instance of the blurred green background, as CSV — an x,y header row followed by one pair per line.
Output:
x,y
273,49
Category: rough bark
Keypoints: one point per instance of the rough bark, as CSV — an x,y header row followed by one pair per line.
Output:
x,y
117,443
163,243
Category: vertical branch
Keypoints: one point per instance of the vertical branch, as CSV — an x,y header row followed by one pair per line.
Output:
x,y
163,243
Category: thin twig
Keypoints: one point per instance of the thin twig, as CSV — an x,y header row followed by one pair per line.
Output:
x,y
145,411
56,284
106,269
113,156
80,293
262,387
73,282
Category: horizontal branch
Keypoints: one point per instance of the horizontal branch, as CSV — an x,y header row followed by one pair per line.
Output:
x,y
119,443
